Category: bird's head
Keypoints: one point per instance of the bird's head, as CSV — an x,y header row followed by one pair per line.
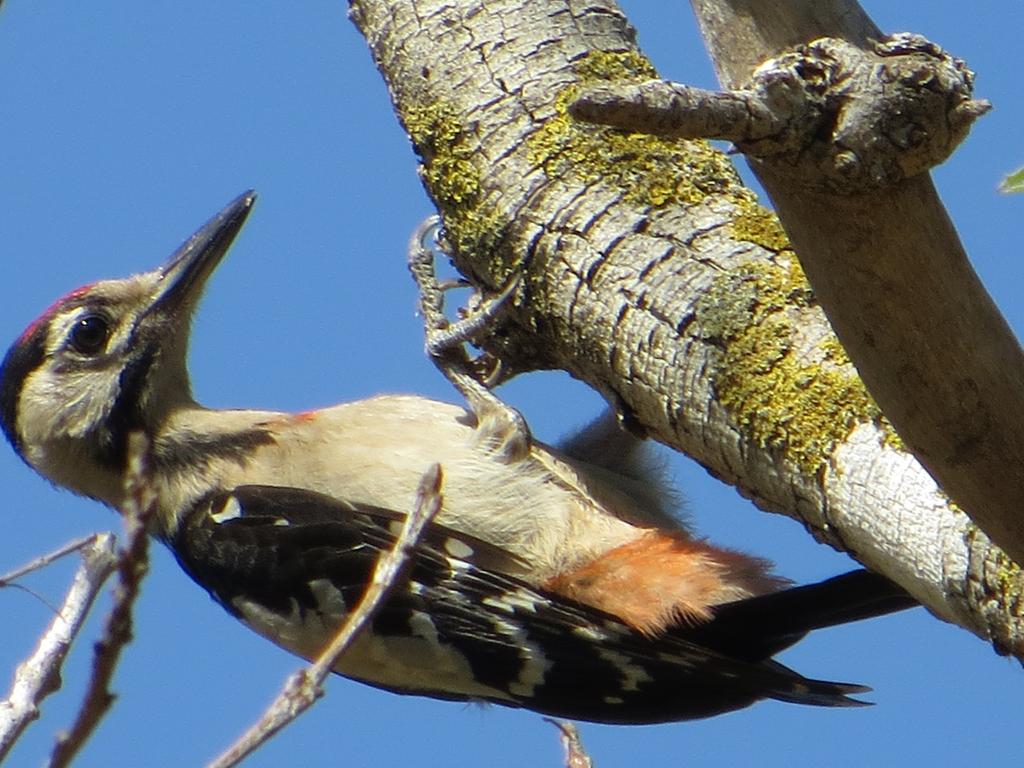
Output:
x,y
106,359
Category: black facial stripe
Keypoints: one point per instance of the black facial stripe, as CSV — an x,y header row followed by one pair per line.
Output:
x,y
25,356
197,449
126,414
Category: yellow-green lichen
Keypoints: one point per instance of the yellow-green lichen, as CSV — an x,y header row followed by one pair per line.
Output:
x,y
450,173
1011,584
615,65
835,354
650,171
1000,568
781,399
756,224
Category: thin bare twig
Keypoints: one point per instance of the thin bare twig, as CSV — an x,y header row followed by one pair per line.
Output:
x,y
132,566
44,560
675,110
40,674
575,755
304,687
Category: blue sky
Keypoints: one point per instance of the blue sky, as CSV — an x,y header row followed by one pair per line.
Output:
x,y
125,125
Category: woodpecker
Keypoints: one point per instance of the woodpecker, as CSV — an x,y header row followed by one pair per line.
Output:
x,y
558,580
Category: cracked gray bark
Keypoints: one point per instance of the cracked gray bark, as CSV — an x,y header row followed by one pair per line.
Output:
x,y
651,274
886,262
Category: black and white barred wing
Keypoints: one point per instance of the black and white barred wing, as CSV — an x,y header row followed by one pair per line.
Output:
x,y
292,563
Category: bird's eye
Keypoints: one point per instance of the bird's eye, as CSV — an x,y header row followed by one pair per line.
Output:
x,y
89,334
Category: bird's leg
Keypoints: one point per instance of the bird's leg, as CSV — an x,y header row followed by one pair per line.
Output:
x,y
500,426
475,320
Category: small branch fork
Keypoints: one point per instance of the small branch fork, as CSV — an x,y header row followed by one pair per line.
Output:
x,y
132,567
805,111
40,674
303,688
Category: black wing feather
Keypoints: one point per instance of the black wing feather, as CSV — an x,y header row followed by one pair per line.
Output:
x,y
541,651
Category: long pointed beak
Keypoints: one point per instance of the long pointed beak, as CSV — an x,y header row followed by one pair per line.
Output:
x,y
185,273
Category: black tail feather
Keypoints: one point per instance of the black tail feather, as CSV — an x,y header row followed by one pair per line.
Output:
x,y
757,628
815,693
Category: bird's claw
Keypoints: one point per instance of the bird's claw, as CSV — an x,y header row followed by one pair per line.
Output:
x,y
500,426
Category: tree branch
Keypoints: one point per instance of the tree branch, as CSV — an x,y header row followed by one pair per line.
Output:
x,y
649,272
132,566
885,261
575,754
828,115
40,674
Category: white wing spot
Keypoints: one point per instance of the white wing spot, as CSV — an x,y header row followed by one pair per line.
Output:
x,y
632,673
506,628
535,664
328,598
497,602
613,700
231,510
678,659
458,548
590,633
509,601
458,596
458,564
423,626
